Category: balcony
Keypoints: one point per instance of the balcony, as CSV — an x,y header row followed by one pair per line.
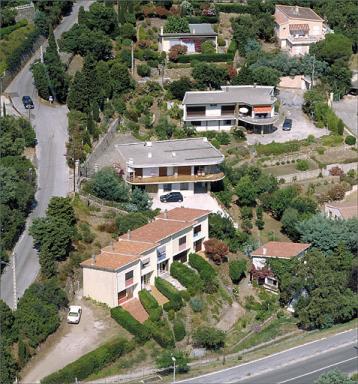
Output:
x,y
161,255
197,235
259,121
305,39
182,247
214,176
129,282
202,116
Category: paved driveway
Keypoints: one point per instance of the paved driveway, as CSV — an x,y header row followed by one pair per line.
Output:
x,y
291,107
347,110
199,201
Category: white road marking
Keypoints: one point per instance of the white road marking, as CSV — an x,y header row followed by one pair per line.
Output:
x,y
316,370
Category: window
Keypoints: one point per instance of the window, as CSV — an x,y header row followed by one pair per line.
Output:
x,y
184,186
145,263
196,123
182,243
195,111
227,122
213,105
167,187
197,230
129,275
161,253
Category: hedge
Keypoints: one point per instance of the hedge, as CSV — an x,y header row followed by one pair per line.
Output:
x,y
186,276
232,8
161,333
169,291
126,320
206,271
11,28
278,148
216,57
90,363
179,330
202,19
150,305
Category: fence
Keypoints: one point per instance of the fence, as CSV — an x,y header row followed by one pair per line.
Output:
x,y
89,167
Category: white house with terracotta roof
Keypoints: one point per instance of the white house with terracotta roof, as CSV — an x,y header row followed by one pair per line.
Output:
x,y
297,28
250,106
130,264
341,210
273,250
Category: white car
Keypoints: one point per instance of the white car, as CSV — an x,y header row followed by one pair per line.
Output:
x,y
74,314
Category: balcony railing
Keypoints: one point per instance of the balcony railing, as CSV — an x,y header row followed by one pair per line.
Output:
x,y
129,282
161,255
197,234
182,247
176,178
195,114
260,120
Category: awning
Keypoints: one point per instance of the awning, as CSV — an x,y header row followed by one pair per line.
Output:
x,y
299,27
264,109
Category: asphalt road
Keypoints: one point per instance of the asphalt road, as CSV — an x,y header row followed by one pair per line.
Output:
x,y
50,123
299,365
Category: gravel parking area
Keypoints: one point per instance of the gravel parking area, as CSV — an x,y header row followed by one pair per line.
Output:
x,y
199,201
302,127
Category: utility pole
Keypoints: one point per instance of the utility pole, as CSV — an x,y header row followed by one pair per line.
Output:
x,y
132,58
41,54
14,279
313,68
74,169
174,360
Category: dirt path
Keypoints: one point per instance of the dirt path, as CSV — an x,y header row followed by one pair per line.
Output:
x,y
230,317
71,341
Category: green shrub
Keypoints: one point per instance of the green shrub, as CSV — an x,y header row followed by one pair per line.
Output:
x,y
209,337
302,165
171,314
169,291
196,304
277,148
207,48
350,140
203,19
161,333
223,138
215,57
140,332
90,363
150,305
11,28
185,295
186,277
232,47
332,140
237,269
206,271
143,70
179,330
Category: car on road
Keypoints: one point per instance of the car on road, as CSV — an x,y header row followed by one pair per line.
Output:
x,y
171,197
74,314
287,125
28,103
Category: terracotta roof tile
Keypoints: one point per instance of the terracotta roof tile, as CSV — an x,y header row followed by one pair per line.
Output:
x,y
184,214
347,210
280,18
157,230
280,249
128,247
108,261
295,12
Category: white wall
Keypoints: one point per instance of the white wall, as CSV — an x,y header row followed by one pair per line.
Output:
x,y
136,277
100,286
213,110
258,262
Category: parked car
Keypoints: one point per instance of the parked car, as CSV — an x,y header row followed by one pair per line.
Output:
x,y
28,103
74,314
171,197
287,125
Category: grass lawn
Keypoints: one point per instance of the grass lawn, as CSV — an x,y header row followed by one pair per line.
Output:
x,y
12,41
287,169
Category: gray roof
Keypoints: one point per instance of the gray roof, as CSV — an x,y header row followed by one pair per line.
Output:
x,y
195,151
247,94
195,30
296,12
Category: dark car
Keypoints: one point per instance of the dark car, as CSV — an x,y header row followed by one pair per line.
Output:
x,y
287,125
28,103
171,197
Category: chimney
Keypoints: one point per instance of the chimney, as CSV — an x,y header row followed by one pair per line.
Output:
x,y
165,214
93,259
149,155
174,154
297,10
129,234
264,251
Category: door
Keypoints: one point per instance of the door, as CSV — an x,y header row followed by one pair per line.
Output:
x,y
162,171
122,297
198,245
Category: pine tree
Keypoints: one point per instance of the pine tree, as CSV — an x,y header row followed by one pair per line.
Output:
x,y
55,69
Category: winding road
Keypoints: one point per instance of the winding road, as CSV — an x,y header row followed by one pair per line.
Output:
x,y
50,123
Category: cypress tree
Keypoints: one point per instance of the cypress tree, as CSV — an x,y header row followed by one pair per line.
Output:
x,y
77,96
81,16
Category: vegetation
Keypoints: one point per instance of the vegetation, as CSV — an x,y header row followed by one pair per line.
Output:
x,y
91,362
164,360
216,250
186,277
237,270
168,290
151,305
179,330
209,337
140,332
176,24
334,377
207,273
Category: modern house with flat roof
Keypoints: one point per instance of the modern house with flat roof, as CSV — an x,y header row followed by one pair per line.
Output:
x,y
261,272
185,165
297,28
250,106
192,40
130,264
